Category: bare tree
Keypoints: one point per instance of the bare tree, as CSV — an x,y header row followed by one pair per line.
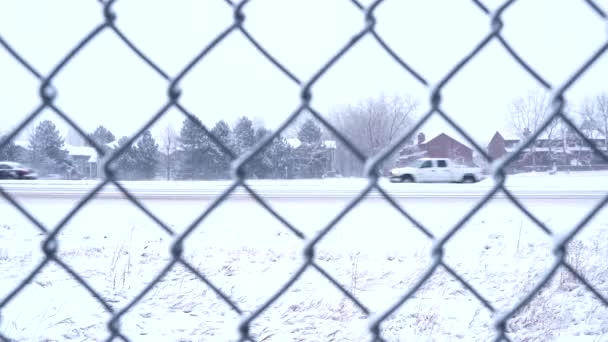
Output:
x,y
526,115
602,115
169,145
371,125
595,117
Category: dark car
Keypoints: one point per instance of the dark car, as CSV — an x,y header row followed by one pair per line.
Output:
x,y
13,170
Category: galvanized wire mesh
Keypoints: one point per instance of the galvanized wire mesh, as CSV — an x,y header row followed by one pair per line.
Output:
x,y
50,243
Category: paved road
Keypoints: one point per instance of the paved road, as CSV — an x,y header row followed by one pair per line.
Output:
x,y
554,189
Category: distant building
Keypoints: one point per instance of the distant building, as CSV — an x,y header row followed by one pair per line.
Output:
x,y
84,160
548,151
497,146
441,146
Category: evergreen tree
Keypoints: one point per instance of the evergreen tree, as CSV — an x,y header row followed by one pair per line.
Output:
x,y
47,152
195,151
147,156
281,155
126,163
309,132
220,160
9,152
244,135
261,133
244,139
261,165
102,135
311,157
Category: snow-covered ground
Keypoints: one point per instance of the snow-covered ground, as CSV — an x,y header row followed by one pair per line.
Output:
x,y
374,252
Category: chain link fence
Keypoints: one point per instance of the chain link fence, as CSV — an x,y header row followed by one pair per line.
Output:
x,y
108,23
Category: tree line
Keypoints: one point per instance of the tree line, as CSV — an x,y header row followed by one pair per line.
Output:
x,y
196,156
370,125
190,154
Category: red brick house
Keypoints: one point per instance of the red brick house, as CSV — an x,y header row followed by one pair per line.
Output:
x,y
497,146
441,146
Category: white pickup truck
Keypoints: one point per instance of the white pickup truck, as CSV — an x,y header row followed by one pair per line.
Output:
x,y
440,170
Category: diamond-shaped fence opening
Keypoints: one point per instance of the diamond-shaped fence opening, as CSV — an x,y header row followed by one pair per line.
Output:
x,y
238,166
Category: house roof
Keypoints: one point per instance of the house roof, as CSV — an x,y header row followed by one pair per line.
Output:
x,y
497,135
543,136
449,137
113,144
417,154
330,144
295,143
22,143
569,149
83,151
80,150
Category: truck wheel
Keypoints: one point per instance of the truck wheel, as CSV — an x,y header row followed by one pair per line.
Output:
x,y
407,179
468,179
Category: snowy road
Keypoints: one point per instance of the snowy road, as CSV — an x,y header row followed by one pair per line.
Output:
x,y
541,186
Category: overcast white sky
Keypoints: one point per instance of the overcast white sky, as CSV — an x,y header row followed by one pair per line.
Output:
x,y
108,84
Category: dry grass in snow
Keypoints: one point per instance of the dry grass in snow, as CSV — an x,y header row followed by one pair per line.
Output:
x,y
374,253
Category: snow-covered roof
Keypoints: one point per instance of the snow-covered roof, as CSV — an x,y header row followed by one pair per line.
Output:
x,y
72,150
80,150
597,136
558,149
295,143
330,144
113,144
412,155
22,143
544,136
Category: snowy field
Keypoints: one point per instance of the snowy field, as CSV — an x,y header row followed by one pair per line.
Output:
x,y
374,252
